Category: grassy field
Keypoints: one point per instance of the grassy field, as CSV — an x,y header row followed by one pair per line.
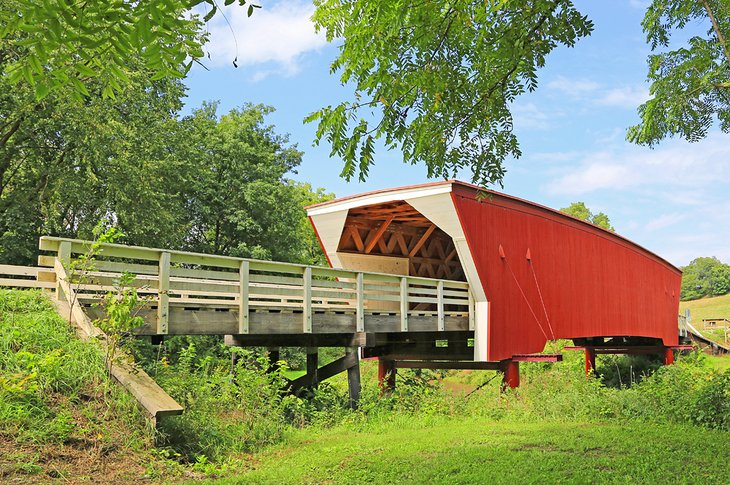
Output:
x,y
60,418
480,451
715,307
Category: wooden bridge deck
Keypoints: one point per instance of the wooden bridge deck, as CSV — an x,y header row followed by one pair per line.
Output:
x,y
191,293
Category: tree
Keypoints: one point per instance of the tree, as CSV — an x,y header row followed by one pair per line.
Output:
x,y
706,276
438,77
66,162
203,182
240,201
580,211
690,85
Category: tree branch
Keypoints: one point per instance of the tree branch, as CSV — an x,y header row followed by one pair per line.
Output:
x,y
716,28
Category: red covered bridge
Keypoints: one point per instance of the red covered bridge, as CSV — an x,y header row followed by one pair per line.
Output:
x,y
443,275
535,274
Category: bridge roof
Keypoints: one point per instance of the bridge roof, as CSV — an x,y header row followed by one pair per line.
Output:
x,y
468,190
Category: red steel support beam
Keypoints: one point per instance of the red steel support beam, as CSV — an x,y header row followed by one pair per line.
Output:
x,y
537,357
590,361
386,375
511,376
668,356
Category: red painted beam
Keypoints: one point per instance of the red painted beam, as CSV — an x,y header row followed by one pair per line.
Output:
x,y
511,376
537,357
429,364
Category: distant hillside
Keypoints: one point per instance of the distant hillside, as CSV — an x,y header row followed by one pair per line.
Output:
x,y
714,307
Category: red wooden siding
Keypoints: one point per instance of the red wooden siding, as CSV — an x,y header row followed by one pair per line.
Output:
x,y
593,282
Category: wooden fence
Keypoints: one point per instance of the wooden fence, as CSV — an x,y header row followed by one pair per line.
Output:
x,y
177,281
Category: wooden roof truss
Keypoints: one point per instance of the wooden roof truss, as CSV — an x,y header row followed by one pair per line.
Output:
x,y
397,229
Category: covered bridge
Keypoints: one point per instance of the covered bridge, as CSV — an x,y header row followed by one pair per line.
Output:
x,y
535,274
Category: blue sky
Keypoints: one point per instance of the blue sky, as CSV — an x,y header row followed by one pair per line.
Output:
x,y
673,200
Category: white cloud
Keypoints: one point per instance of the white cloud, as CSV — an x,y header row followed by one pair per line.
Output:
x,y
677,166
625,97
640,4
599,172
528,115
573,87
278,35
556,156
665,220
590,91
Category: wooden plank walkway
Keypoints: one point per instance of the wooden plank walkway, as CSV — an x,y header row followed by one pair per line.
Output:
x,y
192,293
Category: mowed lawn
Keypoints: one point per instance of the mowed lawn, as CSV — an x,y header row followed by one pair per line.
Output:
x,y
715,307
471,450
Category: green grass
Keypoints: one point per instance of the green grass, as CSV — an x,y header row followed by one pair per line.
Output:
x,y
477,450
60,417
715,307
706,308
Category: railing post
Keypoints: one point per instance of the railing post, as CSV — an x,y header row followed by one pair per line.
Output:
x,y
163,297
360,326
64,257
307,303
404,304
440,296
243,280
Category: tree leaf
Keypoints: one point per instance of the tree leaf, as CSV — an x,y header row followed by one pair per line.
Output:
x,y
210,14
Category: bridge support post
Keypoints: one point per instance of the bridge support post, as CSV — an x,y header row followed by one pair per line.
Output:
x,y
590,361
233,341
353,377
274,356
386,375
668,356
511,374
312,364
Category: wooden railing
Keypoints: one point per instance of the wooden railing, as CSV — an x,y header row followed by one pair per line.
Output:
x,y
183,280
25,277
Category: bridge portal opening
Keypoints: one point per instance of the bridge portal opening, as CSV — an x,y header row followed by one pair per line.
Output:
x,y
395,238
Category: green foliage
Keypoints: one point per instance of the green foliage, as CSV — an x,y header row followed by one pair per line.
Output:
x,y
579,210
54,45
439,77
689,84
706,276
66,164
621,371
239,201
121,307
203,182
45,371
225,413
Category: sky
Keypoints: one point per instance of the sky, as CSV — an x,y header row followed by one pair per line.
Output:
x,y
673,199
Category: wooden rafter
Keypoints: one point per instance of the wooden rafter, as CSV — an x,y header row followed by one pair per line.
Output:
x,y
397,229
378,234
355,235
422,241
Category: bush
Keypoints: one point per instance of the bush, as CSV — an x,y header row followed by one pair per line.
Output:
x,y
224,412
